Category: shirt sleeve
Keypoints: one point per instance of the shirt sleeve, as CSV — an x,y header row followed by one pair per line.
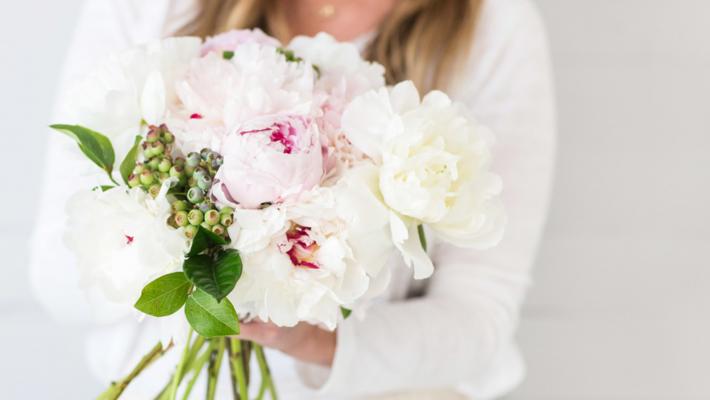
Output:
x,y
460,334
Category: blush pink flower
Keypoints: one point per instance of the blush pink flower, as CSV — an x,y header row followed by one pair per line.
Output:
x,y
229,41
268,160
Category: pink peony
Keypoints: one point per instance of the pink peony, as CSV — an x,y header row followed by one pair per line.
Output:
x,y
229,41
268,160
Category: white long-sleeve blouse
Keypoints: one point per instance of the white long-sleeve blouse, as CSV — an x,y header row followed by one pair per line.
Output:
x,y
456,340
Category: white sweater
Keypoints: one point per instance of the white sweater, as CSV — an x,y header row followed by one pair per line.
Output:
x,y
457,341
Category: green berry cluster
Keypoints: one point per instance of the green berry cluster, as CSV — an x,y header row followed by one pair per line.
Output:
x,y
157,165
192,180
197,209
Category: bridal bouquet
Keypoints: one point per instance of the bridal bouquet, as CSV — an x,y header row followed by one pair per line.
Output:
x,y
261,181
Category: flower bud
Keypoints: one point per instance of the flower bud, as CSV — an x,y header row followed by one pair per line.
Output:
x,y
190,231
179,205
195,195
219,230
154,190
212,217
226,219
146,178
164,165
180,218
193,160
195,217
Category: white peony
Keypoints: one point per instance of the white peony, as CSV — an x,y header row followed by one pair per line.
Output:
x,y
306,258
131,86
434,167
122,241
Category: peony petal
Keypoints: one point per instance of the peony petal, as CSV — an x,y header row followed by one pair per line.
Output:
x,y
153,99
406,239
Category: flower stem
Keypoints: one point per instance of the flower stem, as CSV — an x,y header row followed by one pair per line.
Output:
x,y
196,370
213,369
117,388
266,382
236,362
194,350
177,377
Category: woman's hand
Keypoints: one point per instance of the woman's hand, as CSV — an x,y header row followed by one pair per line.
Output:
x,y
304,342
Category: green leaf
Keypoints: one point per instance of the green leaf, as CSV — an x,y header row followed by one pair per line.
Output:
x,y
215,275
129,162
422,236
227,55
210,318
165,295
203,240
94,145
346,312
103,188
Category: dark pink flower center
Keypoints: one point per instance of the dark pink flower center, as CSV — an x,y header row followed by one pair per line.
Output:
x,y
302,247
129,239
196,116
282,134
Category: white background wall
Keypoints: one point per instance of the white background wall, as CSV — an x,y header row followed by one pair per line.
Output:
x,y
621,307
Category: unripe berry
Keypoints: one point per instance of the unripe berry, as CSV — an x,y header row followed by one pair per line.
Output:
x,y
226,219
168,137
205,154
205,206
153,163
204,183
138,169
195,217
190,231
192,160
154,190
179,205
218,229
212,217
179,161
152,136
177,171
217,161
146,178
200,173
195,195
134,180
226,210
180,218
163,176
158,148
164,165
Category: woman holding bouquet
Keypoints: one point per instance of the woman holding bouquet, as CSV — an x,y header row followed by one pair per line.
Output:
x,y
449,337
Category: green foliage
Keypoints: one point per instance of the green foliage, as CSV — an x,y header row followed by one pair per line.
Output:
x,y
129,162
94,145
215,274
211,318
227,55
165,295
203,240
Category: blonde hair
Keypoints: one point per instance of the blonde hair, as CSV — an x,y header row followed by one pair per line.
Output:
x,y
426,41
